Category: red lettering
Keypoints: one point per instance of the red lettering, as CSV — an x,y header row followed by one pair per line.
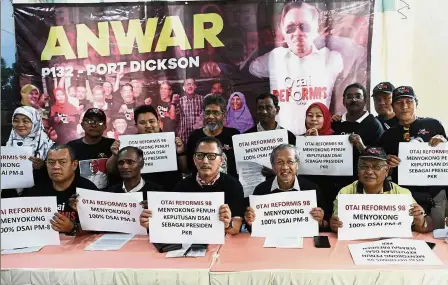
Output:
x,y
324,92
305,93
315,93
282,95
288,94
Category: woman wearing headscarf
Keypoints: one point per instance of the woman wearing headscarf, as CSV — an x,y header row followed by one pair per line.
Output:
x,y
318,120
28,130
238,114
64,117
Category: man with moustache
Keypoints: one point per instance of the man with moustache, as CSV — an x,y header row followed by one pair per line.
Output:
x,y
214,113
382,98
188,109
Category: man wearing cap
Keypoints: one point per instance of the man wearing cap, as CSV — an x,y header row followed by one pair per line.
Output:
x,y
417,129
372,172
382,98
93,145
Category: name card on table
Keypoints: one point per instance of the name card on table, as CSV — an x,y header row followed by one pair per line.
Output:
x,y
110,212
393,252
17,169
186,218
366,216
159,150
25,222
325,155
257,147
284,214
423,165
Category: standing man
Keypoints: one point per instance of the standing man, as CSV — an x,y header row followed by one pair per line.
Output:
x,y
165,107
214,118
188,109
128,106
299,74
382,97
98,99
138,92
207,160
93,147
412,128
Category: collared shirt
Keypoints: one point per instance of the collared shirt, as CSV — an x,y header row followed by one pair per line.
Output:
x,y
203,183
136,188
275,185
261,129
188,110
344,117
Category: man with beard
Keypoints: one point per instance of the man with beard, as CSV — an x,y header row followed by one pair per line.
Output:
x,y
188,109
382,97
214,117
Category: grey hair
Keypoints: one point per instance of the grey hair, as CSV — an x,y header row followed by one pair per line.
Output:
x,y
283,146
215,99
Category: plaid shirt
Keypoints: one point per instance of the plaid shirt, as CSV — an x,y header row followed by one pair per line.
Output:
x,y
188,110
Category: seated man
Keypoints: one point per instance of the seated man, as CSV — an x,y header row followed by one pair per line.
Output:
x,y
207,159
61,165
285,163
372,172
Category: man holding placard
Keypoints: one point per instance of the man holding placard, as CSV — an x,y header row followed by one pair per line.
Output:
x,y
61,165
285,163
412,128
207,159
372,171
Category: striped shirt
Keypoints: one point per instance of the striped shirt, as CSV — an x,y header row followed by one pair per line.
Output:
x,y
188,109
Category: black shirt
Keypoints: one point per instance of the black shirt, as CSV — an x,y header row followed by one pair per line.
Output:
x,y
62,197
163,109
149,186
168,179
291,136
225,137
233,191
424,128
387,124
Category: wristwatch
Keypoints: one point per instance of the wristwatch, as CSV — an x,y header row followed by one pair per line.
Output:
x,y
74,230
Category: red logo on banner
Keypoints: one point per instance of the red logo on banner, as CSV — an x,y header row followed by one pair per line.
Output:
x,y
301,94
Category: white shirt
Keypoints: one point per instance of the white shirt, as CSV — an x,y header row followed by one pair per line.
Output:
x,y
275,185
261,129
99,179
298,82
344,117
136,188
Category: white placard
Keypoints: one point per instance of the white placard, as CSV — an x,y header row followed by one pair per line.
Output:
x,y
17,169
159,150
257,147
26,222
250,176
393,252
186,217
423,165
325,155
284,214
110,212
366,216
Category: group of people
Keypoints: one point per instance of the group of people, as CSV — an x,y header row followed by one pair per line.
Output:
x,y
206,160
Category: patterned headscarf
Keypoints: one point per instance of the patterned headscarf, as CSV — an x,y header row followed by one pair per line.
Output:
x,y
37,138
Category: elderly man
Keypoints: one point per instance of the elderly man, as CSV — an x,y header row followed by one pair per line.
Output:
x,y
215,108
372,172
285,163
61,165
413,128
207,159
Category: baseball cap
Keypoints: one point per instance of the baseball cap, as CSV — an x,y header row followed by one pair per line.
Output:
x,y
383,87
95,112
403,91
374,153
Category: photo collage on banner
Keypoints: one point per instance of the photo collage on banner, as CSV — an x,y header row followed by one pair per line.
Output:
x,y
117,56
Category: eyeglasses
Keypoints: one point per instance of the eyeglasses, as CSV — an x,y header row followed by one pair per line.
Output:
x,y
354,97
213,113
93,122
288,163
209,155
292,28
375,167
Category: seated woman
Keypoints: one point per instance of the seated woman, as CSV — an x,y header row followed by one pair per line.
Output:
x,y
238,114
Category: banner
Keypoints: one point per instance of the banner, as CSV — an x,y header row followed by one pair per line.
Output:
x,y
95,171
368,216
117,56
325,155
423,165
186,218
393,252
110,212
284,214
159,150
26,222
17,169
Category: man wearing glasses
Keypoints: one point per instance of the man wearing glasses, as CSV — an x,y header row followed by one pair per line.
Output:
x,y
214,111
372,171
299,74
207,156
93,145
